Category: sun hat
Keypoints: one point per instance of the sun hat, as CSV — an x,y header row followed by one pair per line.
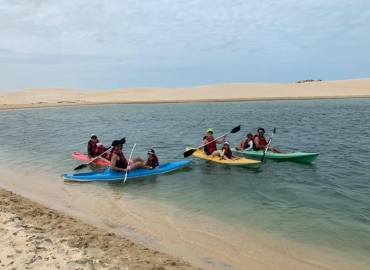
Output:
x,y
226,142
209,130
99,144
93,135
151,151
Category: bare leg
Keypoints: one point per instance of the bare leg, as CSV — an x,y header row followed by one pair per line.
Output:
x,y
216,153
276,150
138,159
138,165
240,146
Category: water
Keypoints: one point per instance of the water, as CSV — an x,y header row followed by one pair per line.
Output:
x,y
324,205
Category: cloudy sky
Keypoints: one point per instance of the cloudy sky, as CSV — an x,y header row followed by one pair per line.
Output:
x,y
94,45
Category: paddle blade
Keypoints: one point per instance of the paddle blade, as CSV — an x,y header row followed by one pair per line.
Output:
x,y
79,167
235,129
189,153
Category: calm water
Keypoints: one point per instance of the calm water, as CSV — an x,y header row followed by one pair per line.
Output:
x,y
325,204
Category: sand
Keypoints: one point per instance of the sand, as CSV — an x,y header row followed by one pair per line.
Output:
x,y
55,97
33,236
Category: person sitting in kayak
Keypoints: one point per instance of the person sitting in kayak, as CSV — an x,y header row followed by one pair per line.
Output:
x,y
260,143
246,145
100,150
118,161
91,146
209,143
226,152
152,162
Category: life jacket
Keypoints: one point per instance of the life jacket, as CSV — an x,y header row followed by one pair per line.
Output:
x,y
100,150
210,148
245,146
262,142
150,161
93,148
227,152
122,162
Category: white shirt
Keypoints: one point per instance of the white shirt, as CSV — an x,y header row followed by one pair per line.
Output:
x,y
250,146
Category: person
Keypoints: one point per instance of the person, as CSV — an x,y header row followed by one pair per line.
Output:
x,y
152,162
260,143
91,146
119,162
227,153
100,150
210,144
247,145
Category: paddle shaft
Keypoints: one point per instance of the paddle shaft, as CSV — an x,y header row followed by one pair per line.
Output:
x,y
215,139
99,155
268,144
124,180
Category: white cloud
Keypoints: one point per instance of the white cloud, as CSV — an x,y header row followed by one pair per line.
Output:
x,y
179,31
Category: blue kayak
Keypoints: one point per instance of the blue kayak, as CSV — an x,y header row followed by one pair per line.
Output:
x,y
111,175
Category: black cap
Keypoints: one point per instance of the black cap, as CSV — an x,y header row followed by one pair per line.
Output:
x,y
151,151
116,142
123,140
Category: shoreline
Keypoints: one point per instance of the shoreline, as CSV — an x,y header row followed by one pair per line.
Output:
x,y
229,92
53,105
33,235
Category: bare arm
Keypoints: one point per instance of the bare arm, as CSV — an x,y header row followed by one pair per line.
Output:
x,y
221,141
113,161
202,145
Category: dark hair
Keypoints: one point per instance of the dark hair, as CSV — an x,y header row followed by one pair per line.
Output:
x,y
249,135
261,129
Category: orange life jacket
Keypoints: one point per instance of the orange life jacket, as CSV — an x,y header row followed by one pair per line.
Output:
x,y
150,161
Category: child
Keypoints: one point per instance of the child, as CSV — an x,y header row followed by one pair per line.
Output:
x,y
152,162
100,149
226,152
247,145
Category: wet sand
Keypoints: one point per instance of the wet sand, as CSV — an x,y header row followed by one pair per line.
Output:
x,y
33,236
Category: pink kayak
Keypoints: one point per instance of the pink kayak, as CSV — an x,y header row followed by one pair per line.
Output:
x,y
85,158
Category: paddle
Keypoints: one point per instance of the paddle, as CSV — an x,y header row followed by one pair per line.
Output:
x,y
79,167
124,180
191,151
268,144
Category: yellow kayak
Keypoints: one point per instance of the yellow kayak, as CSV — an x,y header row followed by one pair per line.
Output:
x,y
243,162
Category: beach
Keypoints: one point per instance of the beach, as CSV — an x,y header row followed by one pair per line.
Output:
x,y
33,236
55,97
48,224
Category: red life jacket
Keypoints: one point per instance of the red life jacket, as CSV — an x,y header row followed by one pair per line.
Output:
x,y
227,152
262,142
150,161
245,146
93,148
122,162
100,150
210,148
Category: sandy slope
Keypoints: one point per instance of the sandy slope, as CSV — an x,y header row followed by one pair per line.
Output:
x,y
33,236
46,97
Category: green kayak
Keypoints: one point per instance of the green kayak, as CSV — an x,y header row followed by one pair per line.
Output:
x,y
296,156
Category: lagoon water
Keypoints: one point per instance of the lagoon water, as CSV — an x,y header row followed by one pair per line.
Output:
x,y
310,215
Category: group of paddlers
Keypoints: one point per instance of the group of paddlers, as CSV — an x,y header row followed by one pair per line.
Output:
x,y
255,142
116,158
119,162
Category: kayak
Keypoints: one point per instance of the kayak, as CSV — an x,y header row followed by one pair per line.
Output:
x,y
111,175
242,162
84,157
296,156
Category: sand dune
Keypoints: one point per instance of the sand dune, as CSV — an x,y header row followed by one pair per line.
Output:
x,y
47,97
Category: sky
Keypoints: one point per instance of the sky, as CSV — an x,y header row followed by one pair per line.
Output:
x,y
98,45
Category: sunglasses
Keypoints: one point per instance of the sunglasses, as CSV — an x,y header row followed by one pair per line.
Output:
x,y
210,131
